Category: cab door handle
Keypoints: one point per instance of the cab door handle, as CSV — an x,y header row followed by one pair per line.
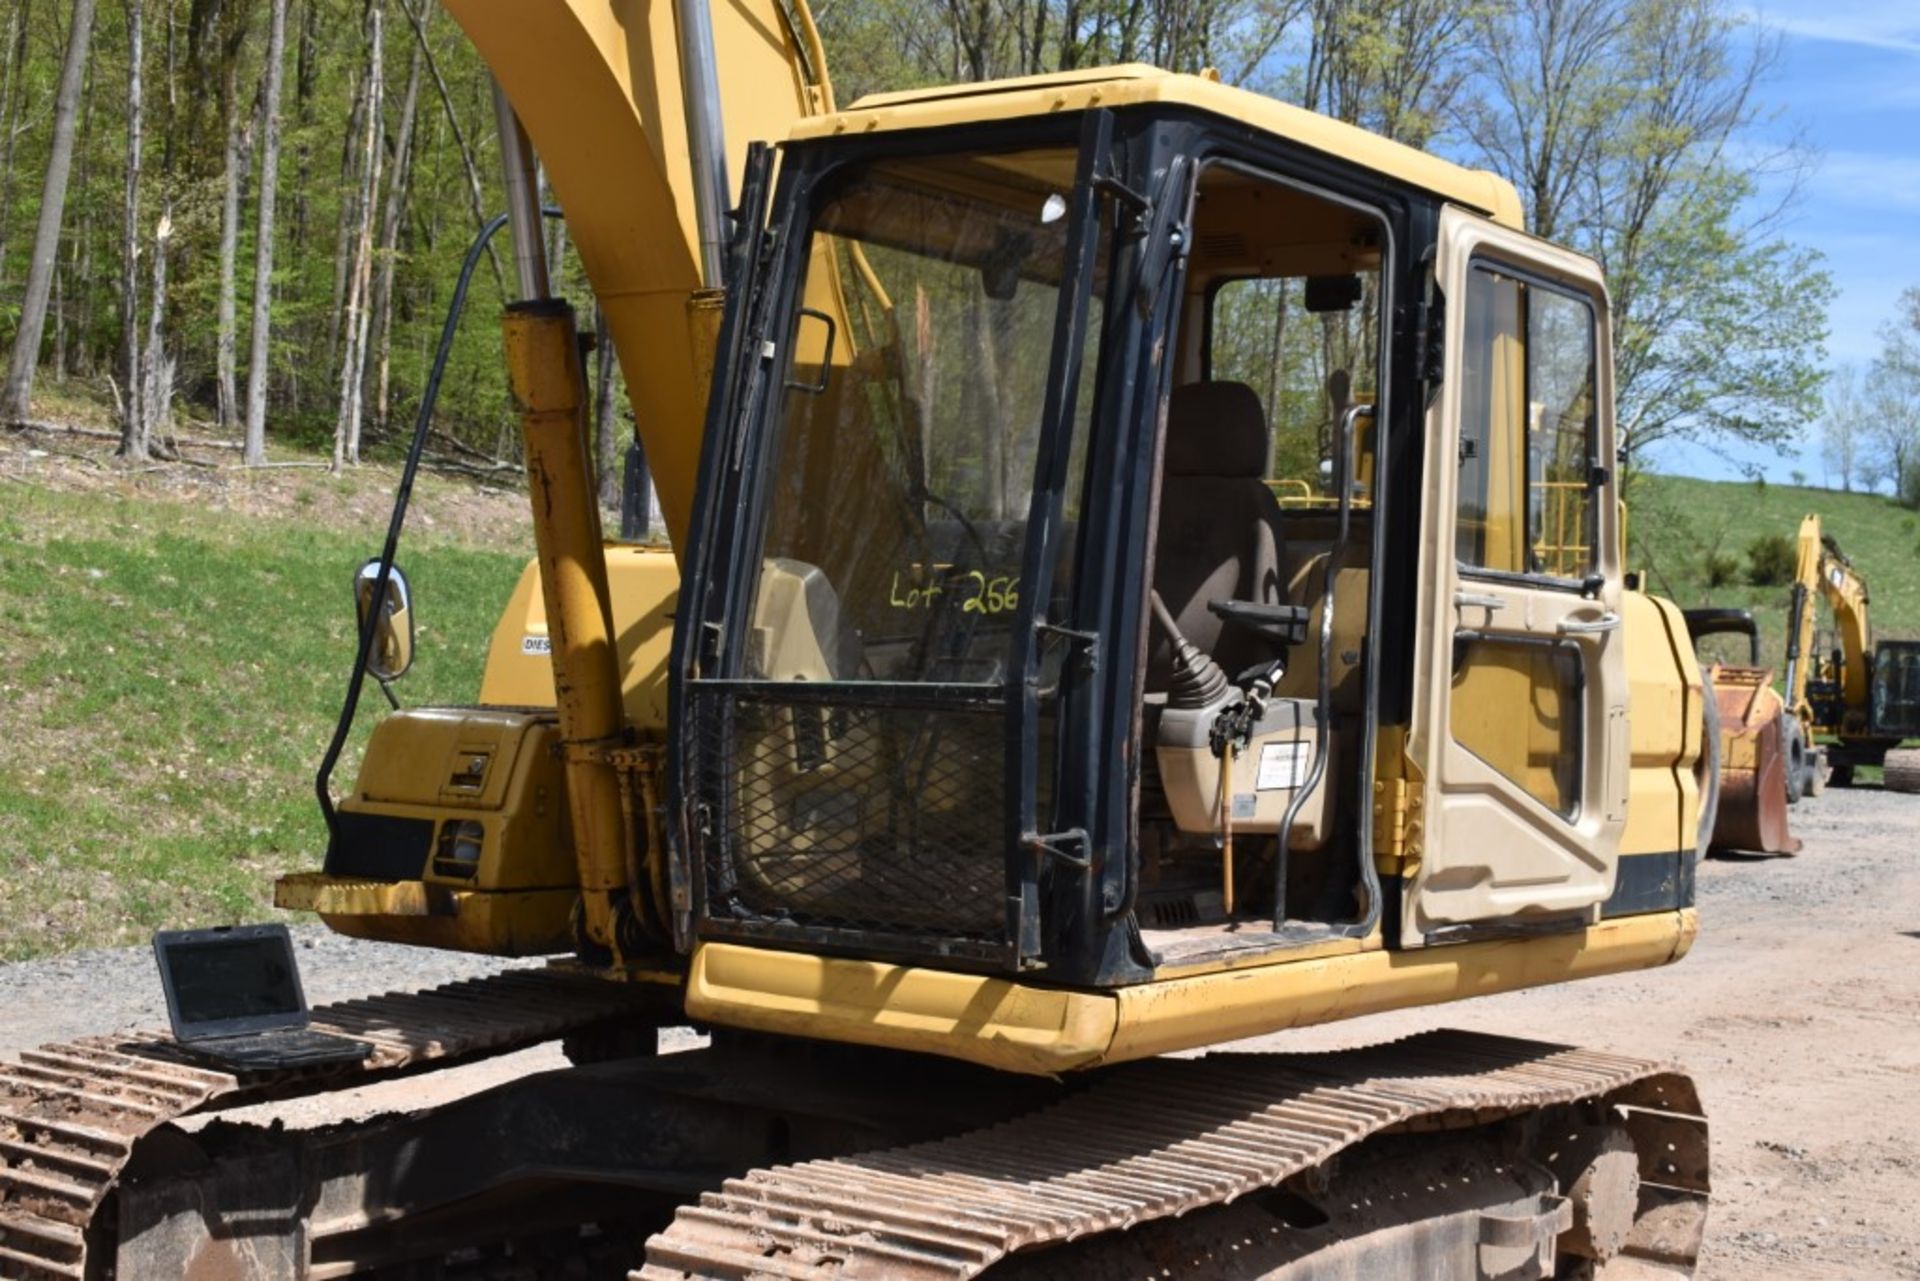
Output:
x,y
1607,622
1478,600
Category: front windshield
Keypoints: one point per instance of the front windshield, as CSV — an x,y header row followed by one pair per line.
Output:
x,y
909,417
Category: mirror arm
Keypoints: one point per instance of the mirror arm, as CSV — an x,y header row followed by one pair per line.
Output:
x,y
423,421
1108,185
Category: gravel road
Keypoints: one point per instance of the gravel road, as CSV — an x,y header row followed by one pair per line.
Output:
x,y
117,989
1798,1012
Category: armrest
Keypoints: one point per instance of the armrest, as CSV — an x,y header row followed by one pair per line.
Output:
x,y
1282,624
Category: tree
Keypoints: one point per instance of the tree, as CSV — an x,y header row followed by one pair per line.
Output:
x,y
390,219
1893,431
353,360
133,420
1616,119
239,134
891,44
1900,340
1547,99
16,398
257,369
606,447
156,367
1892,404
1392,66
476,202
19,24
1844,426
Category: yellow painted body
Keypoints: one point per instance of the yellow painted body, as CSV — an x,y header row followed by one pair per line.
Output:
x,y
549,386
1740,752
642,584
1136,84
1020,1027
1509,708
420,914
1665,710
496,768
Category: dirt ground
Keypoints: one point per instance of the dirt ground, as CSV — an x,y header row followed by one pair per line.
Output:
x,y
1798,1011
480,507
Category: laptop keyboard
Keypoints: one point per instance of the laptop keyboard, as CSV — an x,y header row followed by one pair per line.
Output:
x,y
287,1047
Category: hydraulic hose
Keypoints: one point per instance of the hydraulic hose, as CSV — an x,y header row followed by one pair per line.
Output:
x,y
403,495
1323,706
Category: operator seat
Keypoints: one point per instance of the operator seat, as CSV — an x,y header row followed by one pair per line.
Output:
x,y
1219,535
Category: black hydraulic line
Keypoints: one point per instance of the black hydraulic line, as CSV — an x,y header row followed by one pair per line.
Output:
x,y
1796,617
423,422
1323,707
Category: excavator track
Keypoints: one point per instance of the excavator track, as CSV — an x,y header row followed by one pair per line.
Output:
x,y
72,1112
1167,1137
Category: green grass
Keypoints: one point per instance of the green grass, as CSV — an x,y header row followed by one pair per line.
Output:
x,y
170,671
1675,524
169,676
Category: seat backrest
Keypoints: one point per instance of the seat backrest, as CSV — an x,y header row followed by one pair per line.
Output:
x,y
1219,536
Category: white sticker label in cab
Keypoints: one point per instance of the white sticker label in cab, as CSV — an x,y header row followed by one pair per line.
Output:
x,y
535,645
1283,767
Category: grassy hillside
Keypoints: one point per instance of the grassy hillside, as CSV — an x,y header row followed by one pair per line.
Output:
x,y
171,662
1676,524
173,645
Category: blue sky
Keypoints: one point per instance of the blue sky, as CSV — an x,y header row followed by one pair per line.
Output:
x,y
1848,83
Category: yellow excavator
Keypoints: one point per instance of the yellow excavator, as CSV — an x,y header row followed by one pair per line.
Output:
x,y
1857,701
991,738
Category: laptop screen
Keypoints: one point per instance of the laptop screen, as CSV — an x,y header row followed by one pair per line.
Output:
x,y
220,981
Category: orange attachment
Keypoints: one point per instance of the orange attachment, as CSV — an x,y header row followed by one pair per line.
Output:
x,y
1753,764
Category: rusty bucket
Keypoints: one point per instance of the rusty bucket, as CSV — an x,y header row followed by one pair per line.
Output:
x,y
1753,763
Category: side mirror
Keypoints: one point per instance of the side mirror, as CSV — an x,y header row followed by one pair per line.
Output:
x,y
1333,293
392,652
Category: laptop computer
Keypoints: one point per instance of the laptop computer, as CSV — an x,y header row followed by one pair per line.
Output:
x,y
234,999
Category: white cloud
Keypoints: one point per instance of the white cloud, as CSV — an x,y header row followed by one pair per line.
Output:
x,y
1874,24
1868,179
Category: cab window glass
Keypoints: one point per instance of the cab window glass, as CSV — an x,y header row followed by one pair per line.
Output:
x,y
1308,345
897,518
1526,454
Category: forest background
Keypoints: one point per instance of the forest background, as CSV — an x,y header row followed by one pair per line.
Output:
x,y
244,217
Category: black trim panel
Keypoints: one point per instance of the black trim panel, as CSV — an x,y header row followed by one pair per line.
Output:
x,y
1646,883
380,847
1651,883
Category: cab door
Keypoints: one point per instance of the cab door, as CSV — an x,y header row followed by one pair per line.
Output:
x,y
1519,723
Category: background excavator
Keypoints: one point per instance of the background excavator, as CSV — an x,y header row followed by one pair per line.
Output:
x,y
1853,701
1847,702
990,734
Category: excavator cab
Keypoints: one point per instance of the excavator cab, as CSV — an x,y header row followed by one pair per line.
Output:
x,y
1127,540
1896,689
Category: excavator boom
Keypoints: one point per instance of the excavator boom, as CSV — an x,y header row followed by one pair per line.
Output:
x,y
598,86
